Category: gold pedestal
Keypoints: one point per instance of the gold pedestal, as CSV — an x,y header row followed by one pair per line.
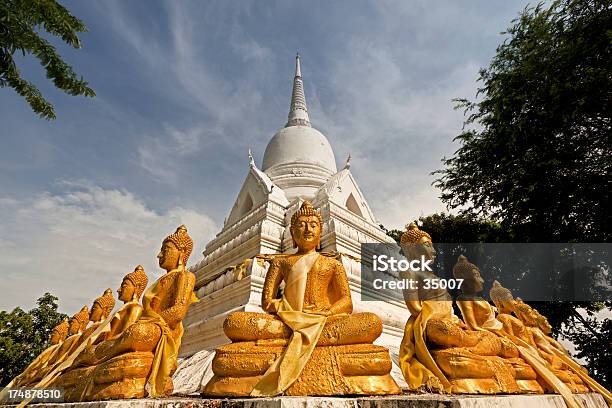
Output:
x,y
121,377
358,369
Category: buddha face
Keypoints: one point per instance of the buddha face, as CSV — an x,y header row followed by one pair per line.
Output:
x,y
504,306
96,313
74,326
169,256
544,325
306,232
55,337
125,293
473,283
424,247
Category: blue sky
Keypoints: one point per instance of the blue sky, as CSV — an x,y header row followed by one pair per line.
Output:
x,y
184,89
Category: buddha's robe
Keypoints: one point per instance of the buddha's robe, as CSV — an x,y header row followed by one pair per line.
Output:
x,y
166,351
526,351
418,366
306,330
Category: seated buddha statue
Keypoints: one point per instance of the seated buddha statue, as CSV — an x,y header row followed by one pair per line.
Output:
x,y
308,342
438,350
531,331
132,287
138,359
57,337
100,310
76,326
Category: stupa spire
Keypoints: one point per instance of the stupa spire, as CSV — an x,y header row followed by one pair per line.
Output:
x,y
298,113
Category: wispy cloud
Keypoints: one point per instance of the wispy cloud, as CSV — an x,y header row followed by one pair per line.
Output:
x,y
77,242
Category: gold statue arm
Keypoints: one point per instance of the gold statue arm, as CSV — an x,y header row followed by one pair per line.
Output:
x,y
184,288
272,282
467,312
344,304
556,344
411,296
123,319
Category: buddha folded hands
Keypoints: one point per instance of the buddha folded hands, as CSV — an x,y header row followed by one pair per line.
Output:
x,y
305,331
138,359
438,350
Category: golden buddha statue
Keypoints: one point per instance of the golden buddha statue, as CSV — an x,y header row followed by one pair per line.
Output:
x,y
100,310
530,331
308,342
57,337
438,350
138,359
132,287
76,326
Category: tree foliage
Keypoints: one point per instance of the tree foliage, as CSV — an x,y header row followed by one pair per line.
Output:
x,y
535,154
21,23
536,151
24,335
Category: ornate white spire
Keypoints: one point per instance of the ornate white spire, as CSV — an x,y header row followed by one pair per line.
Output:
x,y
298,113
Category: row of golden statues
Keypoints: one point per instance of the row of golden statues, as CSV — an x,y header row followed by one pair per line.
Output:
x,y
131,353
308,341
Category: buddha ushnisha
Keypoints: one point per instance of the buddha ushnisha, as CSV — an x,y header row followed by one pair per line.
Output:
x,y
140,353
308,332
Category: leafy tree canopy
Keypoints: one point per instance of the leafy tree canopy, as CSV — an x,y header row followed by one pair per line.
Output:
x,y
21,23
24,335
536,151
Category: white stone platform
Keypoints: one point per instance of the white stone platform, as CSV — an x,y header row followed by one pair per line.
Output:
x,y
401,401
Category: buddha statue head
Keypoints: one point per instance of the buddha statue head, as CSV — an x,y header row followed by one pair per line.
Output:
x,y
79,321
133,285
102,306
59,332
306,226
525,313
416,243
175,250
502,297
543,322
472,281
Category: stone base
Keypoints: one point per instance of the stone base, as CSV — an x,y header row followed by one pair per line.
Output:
x,y
356,369
400,401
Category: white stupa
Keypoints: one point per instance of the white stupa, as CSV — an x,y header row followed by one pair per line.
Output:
x,y
298,164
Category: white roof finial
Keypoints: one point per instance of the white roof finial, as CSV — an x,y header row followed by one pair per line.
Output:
x,y
298,70
347,165
298,113
251,159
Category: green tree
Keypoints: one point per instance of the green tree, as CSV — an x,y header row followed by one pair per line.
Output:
x,y
24,335
21,23
535,154
536,150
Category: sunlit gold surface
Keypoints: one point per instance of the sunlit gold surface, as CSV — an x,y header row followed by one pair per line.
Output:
x,y
440,352
530,330
139,355
309,342
57,337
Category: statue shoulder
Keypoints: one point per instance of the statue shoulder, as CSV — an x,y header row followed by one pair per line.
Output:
x,y
332,254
